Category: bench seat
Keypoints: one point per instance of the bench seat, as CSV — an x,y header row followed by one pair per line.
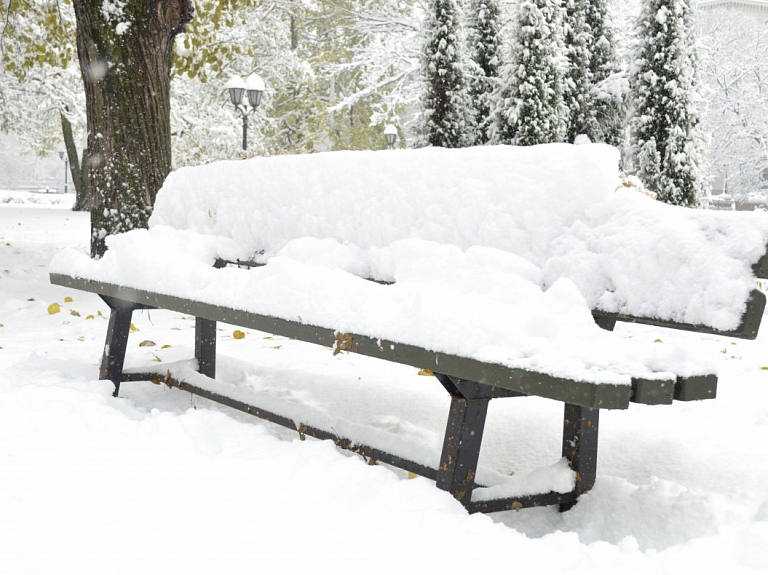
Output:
x,y
498,316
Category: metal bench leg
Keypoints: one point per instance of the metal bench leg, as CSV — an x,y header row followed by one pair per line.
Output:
x,y
114,348
205,346
580,431
461,447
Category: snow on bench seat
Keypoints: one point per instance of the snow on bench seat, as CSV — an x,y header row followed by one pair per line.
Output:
x,y
478,304
471,238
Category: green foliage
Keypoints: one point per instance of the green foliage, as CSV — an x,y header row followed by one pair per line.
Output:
x,y
666,137
217,39
578,51
528,107
336,102
594,85
39,72
35,34
484,43
445,101
316,97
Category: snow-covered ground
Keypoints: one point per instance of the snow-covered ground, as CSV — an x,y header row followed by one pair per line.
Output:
x,y
157,481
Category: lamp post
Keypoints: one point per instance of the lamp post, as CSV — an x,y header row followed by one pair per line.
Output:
x,y
254,87
63,156
390,132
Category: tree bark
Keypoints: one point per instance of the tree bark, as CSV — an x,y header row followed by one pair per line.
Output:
x,y
82,201
125,60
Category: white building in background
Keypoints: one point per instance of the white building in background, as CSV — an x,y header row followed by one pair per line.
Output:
x,y
757,7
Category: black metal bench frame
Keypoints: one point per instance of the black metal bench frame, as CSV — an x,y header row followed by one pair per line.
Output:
x,y
470,383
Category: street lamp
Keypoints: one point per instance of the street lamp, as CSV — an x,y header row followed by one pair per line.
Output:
x,y
254,87
390,132
63,156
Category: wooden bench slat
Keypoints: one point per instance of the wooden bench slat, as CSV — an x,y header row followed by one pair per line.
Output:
x,y
747,329
696,388
653,391
583,393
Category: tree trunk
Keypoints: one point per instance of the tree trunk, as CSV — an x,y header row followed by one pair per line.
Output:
x,y
125,59
82,201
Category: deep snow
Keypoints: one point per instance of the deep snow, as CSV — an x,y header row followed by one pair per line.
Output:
x,y
556,207
159,482
517,242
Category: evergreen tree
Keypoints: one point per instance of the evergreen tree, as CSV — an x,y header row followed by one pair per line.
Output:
x,y
484,41
577,84
595,108
444,102
528,106
608,113
666,138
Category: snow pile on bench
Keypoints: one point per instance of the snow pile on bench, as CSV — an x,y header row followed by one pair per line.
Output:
x,y
481,303
555,206
492,251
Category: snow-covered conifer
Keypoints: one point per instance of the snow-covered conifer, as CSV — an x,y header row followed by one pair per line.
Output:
x,y
666,138
577,83
484,42
528,106
594,85
608,80
445,100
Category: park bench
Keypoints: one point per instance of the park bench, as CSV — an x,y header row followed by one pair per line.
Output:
x,y
392,254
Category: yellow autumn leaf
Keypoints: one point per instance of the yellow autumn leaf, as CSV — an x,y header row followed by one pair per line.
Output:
x,y
54,308
89,316
147,343
134,328
74,312
68,299
237,334
166,346
765,367
412,475
425,372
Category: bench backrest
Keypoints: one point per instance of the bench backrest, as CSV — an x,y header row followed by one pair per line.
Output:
x,y
555,205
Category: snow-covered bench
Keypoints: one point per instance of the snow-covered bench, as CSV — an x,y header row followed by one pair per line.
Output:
x,y
492,267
